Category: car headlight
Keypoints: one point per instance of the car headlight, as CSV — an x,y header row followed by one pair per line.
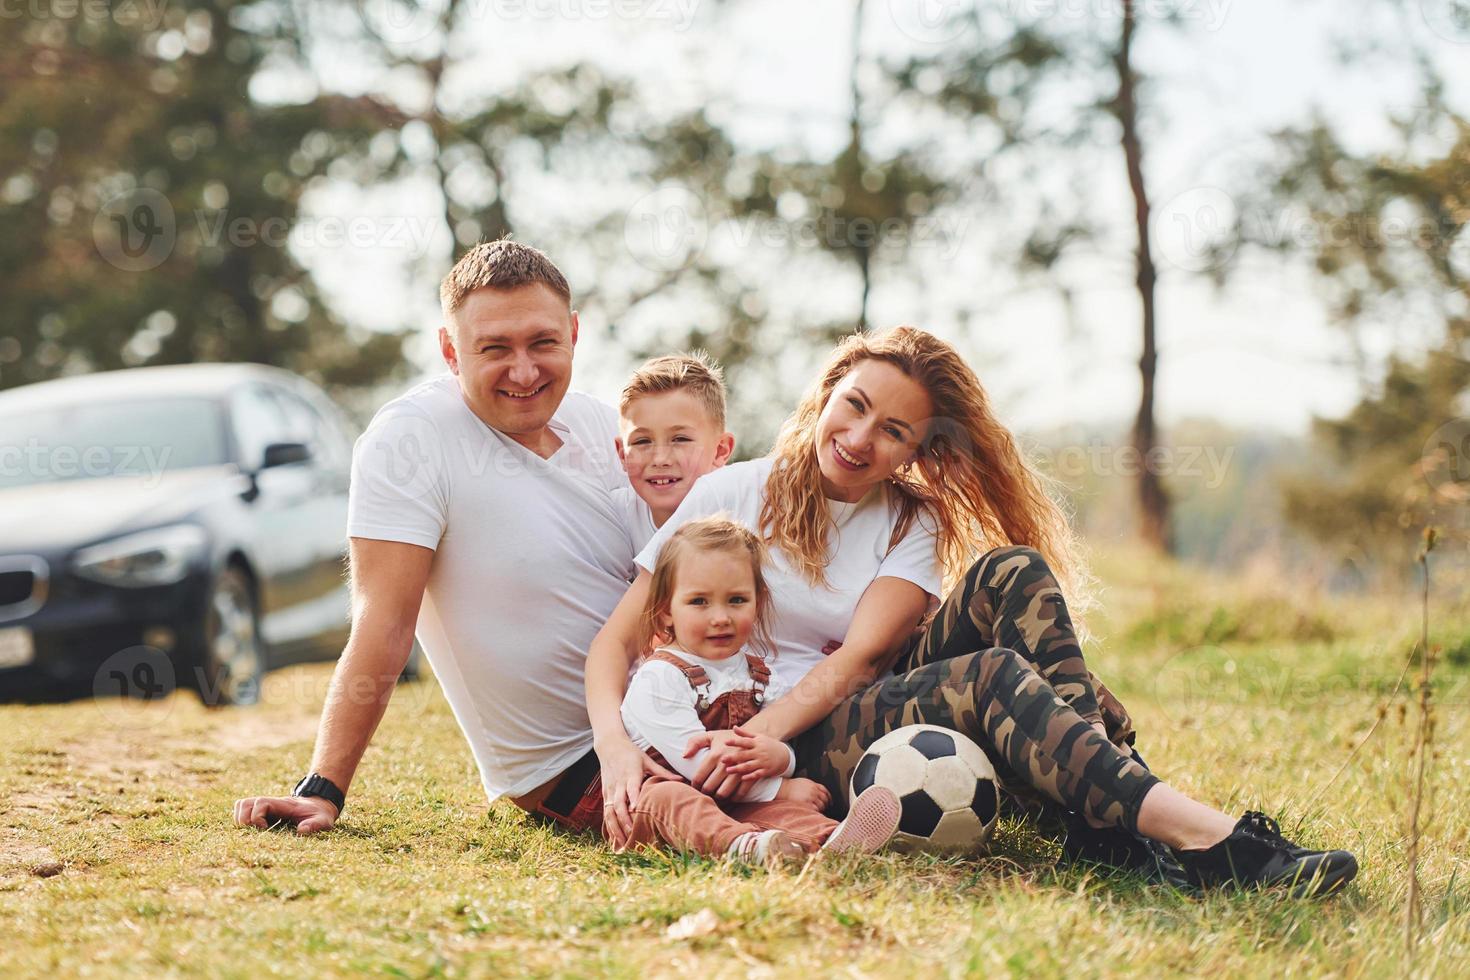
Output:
x,y
158,557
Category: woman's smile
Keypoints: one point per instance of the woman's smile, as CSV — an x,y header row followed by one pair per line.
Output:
x,y
846,459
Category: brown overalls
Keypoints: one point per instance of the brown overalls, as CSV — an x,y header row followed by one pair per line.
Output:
x,y
674,813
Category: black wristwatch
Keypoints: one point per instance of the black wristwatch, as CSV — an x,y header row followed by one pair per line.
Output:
x,y
318,785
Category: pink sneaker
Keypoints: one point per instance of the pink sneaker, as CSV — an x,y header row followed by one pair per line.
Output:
x,y
871,823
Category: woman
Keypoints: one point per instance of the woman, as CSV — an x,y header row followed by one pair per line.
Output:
x,y
892,471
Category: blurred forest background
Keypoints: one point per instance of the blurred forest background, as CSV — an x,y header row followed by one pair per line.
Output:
x,y
1272,305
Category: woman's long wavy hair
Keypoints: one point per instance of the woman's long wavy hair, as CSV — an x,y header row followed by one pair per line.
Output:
x,y
969,476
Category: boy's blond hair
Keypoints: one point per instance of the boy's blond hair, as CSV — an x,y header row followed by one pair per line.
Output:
x,y
694,372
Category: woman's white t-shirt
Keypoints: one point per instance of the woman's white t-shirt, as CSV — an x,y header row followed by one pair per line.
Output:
x,y
808,617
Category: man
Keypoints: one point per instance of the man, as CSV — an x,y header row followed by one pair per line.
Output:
x,y
480,512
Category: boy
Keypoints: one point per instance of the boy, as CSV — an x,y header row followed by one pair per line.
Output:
x,y
671,432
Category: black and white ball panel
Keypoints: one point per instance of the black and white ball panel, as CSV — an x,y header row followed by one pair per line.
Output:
x,y
945,783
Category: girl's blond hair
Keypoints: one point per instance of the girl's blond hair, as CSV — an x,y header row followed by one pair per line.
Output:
x,y
969,477
716,533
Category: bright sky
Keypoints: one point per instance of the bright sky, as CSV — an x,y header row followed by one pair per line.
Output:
x,y
1259,355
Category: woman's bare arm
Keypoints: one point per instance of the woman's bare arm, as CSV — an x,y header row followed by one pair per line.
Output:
x,y
609,660
883,621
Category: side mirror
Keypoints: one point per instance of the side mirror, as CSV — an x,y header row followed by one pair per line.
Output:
x,y
284,454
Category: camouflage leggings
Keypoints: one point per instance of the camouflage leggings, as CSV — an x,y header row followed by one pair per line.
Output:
x,y
1001,664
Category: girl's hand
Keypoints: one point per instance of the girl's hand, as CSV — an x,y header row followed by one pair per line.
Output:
x,y
767,757
725,748
806,792
624,767
737,757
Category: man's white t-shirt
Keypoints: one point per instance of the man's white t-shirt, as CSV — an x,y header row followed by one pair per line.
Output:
x,y
637,516
530,557
807,617
660,711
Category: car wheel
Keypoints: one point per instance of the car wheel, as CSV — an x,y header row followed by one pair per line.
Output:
x,y
232,661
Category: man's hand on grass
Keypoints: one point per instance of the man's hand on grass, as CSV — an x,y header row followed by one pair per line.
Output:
x,y
308,814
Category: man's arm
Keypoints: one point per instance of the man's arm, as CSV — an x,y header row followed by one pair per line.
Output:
x,y
388,579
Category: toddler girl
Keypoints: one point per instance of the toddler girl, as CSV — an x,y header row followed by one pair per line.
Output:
x,y
707,616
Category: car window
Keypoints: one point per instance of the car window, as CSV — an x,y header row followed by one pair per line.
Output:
x,y
140,437
308,426
258,420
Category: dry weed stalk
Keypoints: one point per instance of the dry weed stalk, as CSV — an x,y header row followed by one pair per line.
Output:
x,y
1419,759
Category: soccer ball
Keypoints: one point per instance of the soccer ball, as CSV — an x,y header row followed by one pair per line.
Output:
x,y
944,782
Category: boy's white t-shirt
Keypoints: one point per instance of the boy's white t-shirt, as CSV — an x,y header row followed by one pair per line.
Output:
x,y
807,617
530,557
637,516
660,712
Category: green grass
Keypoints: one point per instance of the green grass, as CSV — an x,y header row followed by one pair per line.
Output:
x,y
1238,703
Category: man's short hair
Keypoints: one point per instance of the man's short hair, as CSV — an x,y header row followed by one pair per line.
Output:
x,y
694,372
501,264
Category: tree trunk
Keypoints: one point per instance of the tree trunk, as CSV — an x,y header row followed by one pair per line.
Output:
x,y
1153,501
862,251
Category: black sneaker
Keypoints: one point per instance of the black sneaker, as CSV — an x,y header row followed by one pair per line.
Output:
x,y
1120,850
1255,855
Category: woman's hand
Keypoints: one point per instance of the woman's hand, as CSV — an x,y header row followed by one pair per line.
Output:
x,y
624,767
737,757
806,792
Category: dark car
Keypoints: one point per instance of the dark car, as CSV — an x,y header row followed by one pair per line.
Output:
x,y
189,519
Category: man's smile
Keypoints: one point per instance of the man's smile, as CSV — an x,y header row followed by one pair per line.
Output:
x,y
522,395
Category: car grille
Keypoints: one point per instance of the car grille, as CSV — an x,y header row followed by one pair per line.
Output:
x,y
23,581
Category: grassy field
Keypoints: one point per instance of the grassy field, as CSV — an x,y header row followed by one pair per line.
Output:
x,y
117,854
